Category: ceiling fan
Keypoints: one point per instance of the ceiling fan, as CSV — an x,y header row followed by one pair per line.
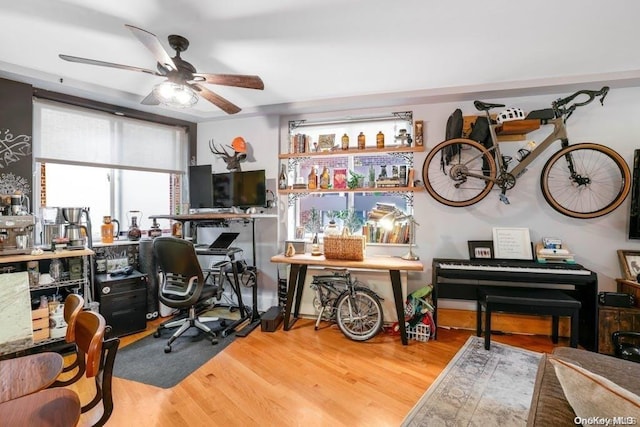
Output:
x,y
183,84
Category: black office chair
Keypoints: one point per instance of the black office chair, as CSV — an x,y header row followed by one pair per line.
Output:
x,y
626,345
182,286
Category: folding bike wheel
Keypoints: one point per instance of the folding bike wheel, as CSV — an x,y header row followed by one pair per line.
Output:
x,y
359,314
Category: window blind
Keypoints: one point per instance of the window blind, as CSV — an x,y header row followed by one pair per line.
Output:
x,y
72,135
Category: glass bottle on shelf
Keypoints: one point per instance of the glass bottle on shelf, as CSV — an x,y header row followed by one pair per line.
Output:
x,y
106,230
134,232
155,230
380,140
312,184
361,141
282,179
325,178
345,142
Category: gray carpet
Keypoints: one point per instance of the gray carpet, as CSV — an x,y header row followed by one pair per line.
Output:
x,y
145,360
480,388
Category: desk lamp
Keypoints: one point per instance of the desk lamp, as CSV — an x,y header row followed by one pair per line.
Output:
x,y
397,216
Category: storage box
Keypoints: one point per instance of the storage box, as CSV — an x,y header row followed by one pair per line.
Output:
x,y
349,248
40,323
271,319
420,332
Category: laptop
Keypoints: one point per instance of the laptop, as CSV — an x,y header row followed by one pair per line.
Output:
x,y
224,240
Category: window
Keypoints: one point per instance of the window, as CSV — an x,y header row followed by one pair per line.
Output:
x,y
110,164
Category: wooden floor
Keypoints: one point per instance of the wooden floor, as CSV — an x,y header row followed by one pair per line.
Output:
x,y
301,377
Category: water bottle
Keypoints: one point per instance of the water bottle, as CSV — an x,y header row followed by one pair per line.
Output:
x,y
524,152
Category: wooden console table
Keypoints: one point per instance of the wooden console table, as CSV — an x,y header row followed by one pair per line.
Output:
x,y
298,273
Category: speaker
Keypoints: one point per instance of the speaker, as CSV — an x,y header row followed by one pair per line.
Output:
x,y
149,266
616,299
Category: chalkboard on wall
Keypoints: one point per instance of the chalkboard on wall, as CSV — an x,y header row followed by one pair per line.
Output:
x,y
16,130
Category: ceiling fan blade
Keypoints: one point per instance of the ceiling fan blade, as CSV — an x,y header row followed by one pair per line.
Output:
x,y
150,100
216,100
150,41
237,80
107,64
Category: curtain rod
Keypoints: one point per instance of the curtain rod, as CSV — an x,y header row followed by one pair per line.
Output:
x,y
403,115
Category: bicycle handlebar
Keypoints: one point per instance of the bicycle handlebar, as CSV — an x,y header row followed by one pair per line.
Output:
x,y
559,105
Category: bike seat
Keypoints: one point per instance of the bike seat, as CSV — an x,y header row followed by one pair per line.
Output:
x,y
485,106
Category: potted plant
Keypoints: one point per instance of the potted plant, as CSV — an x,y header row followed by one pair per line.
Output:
x,y
312,222
351,220
355,180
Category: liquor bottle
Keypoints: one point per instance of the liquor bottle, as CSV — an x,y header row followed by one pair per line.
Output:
x,y
325,178
380,140
345,142
155,230
282,179
312,184
361,141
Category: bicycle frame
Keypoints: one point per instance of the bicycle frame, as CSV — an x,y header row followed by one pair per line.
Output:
x,y
559,133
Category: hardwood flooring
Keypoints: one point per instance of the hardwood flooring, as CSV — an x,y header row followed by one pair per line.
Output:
x,y
301,377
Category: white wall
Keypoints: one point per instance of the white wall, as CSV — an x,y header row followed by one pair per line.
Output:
x,y
447,230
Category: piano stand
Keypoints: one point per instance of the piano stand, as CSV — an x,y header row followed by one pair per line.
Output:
x,y
523,301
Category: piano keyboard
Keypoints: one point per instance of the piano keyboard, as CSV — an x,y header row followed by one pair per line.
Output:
x,y
555,269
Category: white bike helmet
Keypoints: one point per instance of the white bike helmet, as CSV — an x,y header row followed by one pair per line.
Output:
x,y
510,114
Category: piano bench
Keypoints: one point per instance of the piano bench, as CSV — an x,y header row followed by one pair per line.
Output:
x,y
540,302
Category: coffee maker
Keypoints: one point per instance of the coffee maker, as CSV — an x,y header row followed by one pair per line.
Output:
x,y
74,228
16,225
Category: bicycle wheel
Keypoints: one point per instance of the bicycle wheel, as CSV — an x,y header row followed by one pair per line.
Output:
x,y
459,172
359,314
585,180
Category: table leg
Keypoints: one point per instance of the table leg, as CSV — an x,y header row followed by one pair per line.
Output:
x,y
396,285
302,275
291,292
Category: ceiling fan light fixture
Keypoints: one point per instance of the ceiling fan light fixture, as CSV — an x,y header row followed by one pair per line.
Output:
x,y
175,94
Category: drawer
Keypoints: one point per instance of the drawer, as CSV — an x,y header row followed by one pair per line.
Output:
x,y
125,312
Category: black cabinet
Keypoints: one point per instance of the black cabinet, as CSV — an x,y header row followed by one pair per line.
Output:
x,y
123,301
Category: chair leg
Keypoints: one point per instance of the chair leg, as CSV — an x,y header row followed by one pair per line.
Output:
x,y
186,325
574,329
555,322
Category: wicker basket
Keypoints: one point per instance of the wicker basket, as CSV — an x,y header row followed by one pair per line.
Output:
x,y
344,247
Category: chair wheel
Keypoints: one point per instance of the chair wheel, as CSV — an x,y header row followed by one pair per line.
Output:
x,y
223,323
167,349
156,334
214,341
224,334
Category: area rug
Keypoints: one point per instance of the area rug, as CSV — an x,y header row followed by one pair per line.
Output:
x,y
145,360
480,388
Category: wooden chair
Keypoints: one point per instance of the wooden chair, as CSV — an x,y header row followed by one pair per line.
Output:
x,y
99,356
73,304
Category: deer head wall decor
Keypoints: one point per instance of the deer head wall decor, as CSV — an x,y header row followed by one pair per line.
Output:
x,y
232,160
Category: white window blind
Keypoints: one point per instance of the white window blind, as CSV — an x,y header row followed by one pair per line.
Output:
x,y
66,134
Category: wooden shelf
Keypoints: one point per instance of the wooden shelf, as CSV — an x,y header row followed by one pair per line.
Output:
x,y
45,255
352,190
515,130
355,152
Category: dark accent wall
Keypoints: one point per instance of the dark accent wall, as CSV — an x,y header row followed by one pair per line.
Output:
x,y
16,138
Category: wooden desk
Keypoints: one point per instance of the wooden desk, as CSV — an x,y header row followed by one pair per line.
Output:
x,y
298,273
58,407
28,374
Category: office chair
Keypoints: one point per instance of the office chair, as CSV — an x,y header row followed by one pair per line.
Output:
x,y
182,286
99,355
626,345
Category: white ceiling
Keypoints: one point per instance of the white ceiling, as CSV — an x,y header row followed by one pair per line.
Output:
x,y
318,52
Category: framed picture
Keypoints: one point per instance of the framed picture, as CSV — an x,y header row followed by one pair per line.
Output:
x,y
326,142
629,264
418,132
512,243
299,233
479,249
